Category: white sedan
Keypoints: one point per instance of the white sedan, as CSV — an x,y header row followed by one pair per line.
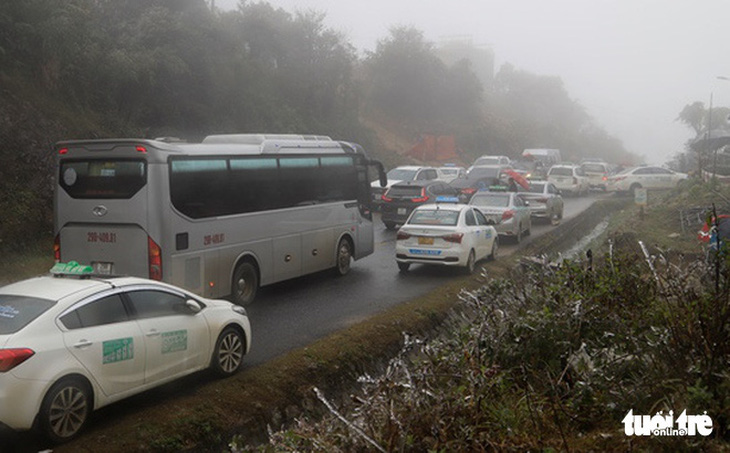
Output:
x,y
70,345
445,234
646,177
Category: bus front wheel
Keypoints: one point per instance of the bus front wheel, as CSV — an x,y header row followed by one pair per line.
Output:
x,y
245,283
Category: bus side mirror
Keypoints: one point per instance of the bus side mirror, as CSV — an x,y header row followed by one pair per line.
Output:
x,y
381,172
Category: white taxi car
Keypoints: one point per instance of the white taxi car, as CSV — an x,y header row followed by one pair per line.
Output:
x,y
445,234
647,177
70,345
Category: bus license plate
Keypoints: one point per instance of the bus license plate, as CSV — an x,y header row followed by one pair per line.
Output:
x,y
425,241
401,211
102,268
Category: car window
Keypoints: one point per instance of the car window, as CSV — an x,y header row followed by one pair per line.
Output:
x,y
579,171
17,312
517,201
107,310
662,171
552,189
500,200
481,220
155,304
431,174
643,171
434,217
561,171
401,174
536,187
469,218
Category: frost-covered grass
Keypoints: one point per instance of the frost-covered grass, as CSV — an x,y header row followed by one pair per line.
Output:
x,y
551,358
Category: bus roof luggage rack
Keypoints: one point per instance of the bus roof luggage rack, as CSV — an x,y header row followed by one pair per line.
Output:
x,y
257,139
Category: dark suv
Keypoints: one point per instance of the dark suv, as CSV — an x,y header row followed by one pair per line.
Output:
x,y
402,198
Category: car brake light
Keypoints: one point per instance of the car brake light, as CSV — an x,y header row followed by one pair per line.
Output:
x,y
63,151
508,214
605,178
468,190
454,237
402,235
154,254
57,248
10,358
141,149
387,199
422,199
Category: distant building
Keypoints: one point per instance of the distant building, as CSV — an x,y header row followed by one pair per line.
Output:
x,y
453,49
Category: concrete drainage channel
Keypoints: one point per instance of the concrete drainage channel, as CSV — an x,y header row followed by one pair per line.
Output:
x,y
277,392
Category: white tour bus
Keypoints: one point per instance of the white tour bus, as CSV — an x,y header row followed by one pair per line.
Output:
x,y
219,218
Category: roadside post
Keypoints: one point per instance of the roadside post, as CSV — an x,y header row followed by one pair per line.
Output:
x,y
640,197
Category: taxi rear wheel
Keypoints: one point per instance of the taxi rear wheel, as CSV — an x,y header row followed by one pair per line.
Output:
x,y
228,353
65,409
470,263
495,247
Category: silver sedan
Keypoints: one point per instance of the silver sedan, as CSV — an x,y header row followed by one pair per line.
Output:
x,y
508,210
545,200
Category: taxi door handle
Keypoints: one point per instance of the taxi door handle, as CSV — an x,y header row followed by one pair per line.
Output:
x,y
153,333
82,344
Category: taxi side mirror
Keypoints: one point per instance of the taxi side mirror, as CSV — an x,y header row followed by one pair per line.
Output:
x,y
193,305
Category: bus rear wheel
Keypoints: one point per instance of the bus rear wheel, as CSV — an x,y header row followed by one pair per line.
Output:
x,y
344,257
245,283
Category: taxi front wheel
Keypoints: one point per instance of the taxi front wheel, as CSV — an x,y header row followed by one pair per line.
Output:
x,y
229,351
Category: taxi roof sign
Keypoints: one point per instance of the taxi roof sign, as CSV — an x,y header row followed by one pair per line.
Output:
x,y
71,268
442,199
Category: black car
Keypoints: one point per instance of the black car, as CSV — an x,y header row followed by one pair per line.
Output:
x,y
402,198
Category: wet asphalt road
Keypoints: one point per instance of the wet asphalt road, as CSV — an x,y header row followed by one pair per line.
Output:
x,y
292,314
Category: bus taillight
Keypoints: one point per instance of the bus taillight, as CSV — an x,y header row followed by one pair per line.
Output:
x,y
155,259
141,149
57,248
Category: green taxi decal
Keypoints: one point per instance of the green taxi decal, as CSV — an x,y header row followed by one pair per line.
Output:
x,y
118,350
174,341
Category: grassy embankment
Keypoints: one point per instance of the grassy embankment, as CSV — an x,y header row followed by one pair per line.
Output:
x,y
553,358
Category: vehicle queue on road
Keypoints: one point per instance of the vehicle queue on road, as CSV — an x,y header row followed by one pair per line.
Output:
x,y
101,338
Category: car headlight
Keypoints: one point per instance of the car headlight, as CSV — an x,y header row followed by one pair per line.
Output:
x,y
239,309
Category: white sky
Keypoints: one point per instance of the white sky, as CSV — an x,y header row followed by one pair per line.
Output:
x,y
633,64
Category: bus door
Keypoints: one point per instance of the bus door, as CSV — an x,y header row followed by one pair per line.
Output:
x,y
102,216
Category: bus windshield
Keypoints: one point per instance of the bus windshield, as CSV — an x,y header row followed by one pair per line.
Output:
x,y
106,179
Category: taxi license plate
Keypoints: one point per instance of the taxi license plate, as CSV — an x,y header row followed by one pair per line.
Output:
x,y
401,211
102,268
425,241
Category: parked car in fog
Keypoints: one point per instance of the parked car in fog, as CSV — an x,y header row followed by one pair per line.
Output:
x,y
70,345
446,235
648,177
508,210
402,198
449,173
597,174
487,160
400,174
568,178
545,201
